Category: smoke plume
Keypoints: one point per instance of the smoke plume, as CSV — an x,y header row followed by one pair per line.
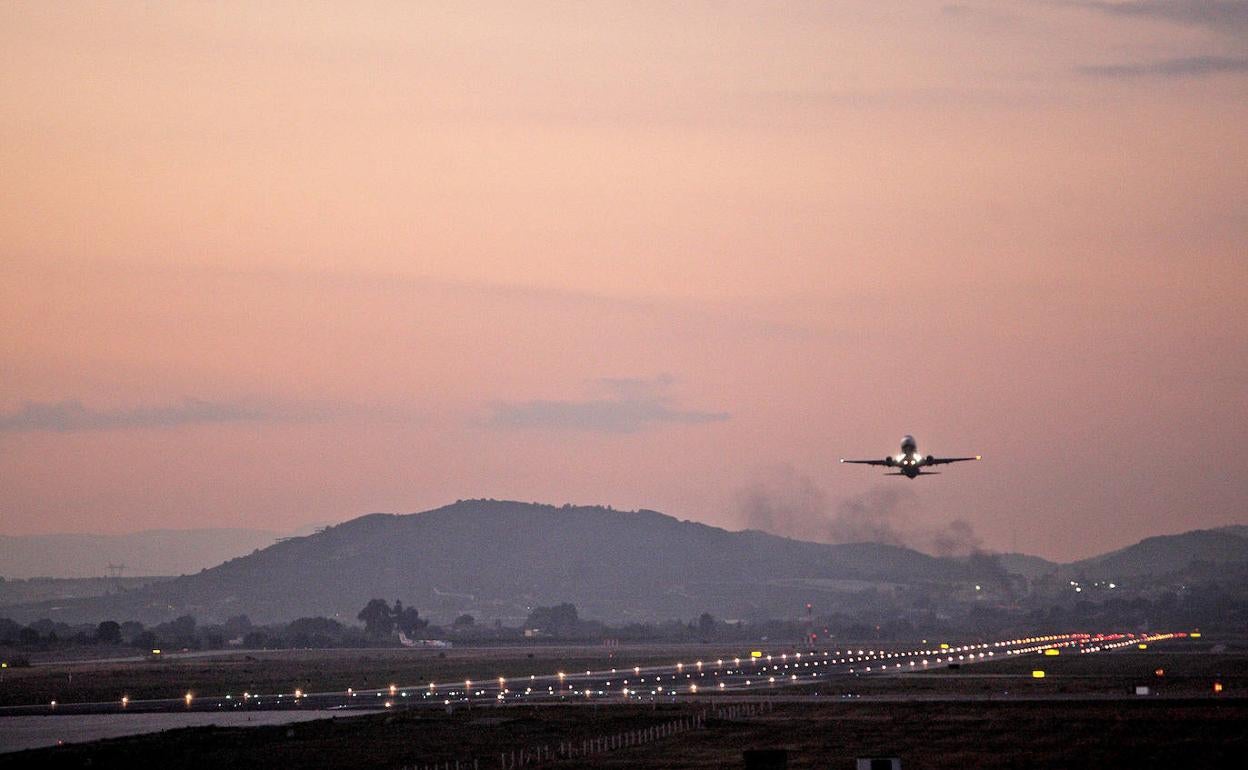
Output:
x,y
785,502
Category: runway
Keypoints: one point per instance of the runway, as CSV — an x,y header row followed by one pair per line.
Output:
x,y
749,674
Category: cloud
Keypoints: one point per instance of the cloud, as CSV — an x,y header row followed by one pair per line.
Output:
x,y
1194,66
629,406
1222,15
73,416
785,502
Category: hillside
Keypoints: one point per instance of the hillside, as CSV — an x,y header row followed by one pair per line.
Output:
x,y
1166,554
1026,565
498,559
29,590
146,553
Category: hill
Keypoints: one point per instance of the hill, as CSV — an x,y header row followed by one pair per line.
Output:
x,y
1166,554
498,559
1026,565
30,590
146,553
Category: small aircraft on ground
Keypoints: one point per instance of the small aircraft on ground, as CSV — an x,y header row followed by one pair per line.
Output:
x,y
910,463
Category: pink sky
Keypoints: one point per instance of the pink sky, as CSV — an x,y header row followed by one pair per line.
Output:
x,y
272,264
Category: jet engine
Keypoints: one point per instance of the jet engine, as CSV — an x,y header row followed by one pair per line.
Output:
x,y
889,461
928,460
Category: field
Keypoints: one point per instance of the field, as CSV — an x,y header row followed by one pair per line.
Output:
x,y
1083,713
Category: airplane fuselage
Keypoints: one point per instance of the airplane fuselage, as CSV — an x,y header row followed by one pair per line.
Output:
x,y
909,463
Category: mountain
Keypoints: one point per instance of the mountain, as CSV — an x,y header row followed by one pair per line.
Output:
x,y
1167,554
32,590
151,552
1026,565
499,559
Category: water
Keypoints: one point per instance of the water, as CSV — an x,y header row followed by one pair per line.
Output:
x,y
32,732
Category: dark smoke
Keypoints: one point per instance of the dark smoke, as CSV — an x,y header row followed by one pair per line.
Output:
x,y
789,503
957,538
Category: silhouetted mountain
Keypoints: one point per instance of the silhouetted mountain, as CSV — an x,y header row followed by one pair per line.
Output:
x,y
499,559
1166,554
1026,565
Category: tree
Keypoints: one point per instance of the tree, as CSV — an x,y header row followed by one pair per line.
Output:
x,y
560,620
377,618
131,629
706,624
179,631
408,619
108,632
237,626
464,620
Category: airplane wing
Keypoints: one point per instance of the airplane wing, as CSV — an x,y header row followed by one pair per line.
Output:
x,y
866,462
945,460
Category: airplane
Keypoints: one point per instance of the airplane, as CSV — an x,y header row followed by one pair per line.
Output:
x,y
910,463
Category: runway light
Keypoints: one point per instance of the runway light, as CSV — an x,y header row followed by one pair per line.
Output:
x,y
125,701
188,698
1052,651
393,689
1037,674
1217,687
1195,635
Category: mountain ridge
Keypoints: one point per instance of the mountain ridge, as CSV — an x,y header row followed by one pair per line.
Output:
x,y
510,556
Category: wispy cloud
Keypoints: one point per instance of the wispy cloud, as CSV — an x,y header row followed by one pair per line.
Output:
x,y
72,416
1194,66
630,405
1224,15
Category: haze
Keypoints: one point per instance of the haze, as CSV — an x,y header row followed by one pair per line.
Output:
x,y
264,265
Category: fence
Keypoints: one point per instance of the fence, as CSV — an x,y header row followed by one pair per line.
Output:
x,y
528,756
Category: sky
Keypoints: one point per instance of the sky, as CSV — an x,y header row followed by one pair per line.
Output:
x,y
272,264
